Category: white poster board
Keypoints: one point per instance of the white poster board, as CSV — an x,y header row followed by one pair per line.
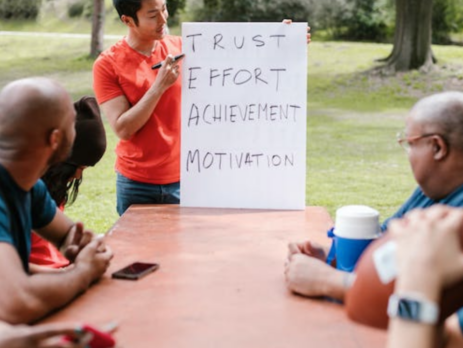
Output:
x,y
244,101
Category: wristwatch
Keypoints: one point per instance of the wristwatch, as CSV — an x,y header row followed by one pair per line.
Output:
x,y
413,307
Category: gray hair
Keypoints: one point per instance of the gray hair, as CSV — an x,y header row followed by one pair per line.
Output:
x,y
442,113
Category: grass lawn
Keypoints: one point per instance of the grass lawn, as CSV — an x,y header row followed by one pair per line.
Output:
x,y
352,155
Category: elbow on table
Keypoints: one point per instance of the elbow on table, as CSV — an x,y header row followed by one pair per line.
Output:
x,y
22,307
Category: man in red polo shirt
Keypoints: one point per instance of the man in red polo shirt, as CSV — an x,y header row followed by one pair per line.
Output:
x,y
143,104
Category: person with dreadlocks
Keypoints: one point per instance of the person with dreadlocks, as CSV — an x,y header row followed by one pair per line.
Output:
x,y
63,179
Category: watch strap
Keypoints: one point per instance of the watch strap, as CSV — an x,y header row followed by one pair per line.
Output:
x,y
413,307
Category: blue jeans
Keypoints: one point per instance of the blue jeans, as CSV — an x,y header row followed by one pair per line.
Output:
x,y
130,192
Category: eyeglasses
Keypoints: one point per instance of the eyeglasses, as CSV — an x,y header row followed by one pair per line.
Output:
x,y
405,141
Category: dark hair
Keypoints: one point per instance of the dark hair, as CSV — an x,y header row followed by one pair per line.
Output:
x,y
62,188
88,148
128,8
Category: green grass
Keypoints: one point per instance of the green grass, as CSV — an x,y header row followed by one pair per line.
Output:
x,y
352,155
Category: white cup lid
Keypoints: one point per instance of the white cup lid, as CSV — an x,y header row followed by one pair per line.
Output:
x,y
357,222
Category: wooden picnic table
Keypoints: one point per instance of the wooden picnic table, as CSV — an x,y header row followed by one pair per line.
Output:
x,y
220,283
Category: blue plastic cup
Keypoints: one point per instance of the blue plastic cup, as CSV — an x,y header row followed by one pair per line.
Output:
x,y
356,227
348,252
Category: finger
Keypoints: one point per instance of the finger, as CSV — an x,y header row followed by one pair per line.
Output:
x,y
308,248
87,237
396,227
453,223
78,340
85,340
94,245
413,214
41,332
106,254
102,247
293,248
168,61
71,252
78,230
287,21
440,211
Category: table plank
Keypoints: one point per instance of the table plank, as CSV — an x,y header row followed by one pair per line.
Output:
x,y
220,284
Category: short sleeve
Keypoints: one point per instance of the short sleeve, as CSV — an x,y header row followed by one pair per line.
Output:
x,y
416,200
5,230
105,81
43,208
460,318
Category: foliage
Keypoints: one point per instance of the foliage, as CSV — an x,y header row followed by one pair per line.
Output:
x,y
366,21
174,6
253,10
354,20
76,9
276,10
447,18
19,9
329,15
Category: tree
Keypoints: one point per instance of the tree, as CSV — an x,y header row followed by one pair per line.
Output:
x,y
98,16
174,6
447,18
366,21
412,38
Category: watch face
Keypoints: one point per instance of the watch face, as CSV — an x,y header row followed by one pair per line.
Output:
x,y
408,309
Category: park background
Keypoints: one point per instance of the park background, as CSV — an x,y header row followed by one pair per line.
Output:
x,y
355,106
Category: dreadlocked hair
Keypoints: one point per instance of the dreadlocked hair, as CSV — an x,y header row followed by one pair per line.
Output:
x,y
61,187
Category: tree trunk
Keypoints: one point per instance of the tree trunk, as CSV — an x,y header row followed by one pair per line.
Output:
x,y
98,16
412,38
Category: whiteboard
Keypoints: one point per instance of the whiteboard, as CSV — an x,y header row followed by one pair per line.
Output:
x,y
244,115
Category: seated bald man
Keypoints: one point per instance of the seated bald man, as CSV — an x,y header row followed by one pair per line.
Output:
x,y
37,130
433,139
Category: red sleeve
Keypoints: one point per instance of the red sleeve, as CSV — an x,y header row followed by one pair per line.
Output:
x,y
105,80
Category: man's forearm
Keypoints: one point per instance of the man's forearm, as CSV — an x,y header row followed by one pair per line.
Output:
x,y
37,295
338,284
132,120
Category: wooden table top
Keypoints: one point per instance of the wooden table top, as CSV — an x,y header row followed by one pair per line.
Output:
x,y
220,283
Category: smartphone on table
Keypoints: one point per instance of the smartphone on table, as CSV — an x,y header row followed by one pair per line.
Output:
x,y
135,270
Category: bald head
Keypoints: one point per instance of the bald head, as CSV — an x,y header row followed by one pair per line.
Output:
x,y
442,113
32,107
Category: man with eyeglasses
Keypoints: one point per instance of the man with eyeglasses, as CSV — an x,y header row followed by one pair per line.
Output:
x,y
433,140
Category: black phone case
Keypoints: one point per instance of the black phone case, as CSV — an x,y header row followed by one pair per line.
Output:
x,y
126,273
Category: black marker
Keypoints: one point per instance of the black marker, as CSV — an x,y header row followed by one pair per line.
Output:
x,y
158,65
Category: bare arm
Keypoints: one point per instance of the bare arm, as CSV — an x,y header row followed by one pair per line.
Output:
x,y
126,120
68,236
309,276
424,269
40,336
57,230
403,333
27,298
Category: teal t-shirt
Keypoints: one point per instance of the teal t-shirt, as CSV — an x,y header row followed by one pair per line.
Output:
x,y
21,212
419,200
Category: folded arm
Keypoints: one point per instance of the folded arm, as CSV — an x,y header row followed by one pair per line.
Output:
x,y
26,298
